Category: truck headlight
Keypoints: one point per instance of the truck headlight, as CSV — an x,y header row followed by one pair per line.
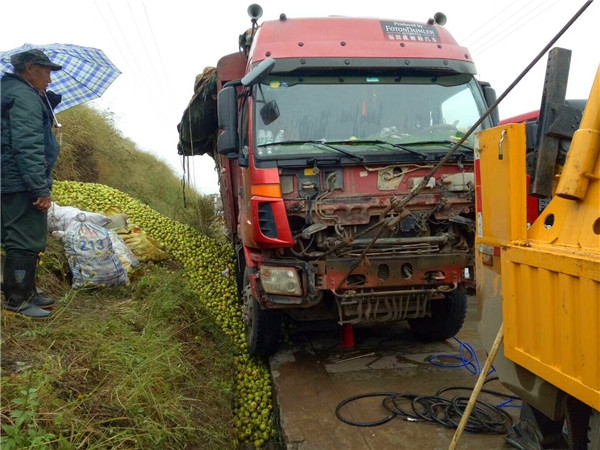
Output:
x,y
280,280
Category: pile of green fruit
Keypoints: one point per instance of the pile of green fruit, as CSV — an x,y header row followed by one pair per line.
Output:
x,y
208,267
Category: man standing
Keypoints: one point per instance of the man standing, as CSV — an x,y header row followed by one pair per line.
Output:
x,y
29,152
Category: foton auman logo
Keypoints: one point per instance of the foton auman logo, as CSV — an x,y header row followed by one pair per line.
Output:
x,y
408,31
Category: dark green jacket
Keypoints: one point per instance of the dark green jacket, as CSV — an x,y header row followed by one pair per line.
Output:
x,y
29,149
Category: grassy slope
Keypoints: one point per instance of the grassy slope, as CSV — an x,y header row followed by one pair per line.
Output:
x,y
137,366
93,151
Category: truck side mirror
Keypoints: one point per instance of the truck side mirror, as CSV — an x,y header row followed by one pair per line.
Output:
x,y
489,94
259,73
269,112
228,140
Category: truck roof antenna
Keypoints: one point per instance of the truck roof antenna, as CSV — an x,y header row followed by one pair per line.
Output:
x,y
439,18
255,12
245,39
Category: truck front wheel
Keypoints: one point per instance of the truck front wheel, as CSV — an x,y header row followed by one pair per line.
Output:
x,y
447,317
263,326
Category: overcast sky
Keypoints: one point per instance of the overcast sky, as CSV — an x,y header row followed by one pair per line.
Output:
x,y
161,45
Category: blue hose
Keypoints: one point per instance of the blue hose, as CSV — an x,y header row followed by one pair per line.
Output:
x,y
467,358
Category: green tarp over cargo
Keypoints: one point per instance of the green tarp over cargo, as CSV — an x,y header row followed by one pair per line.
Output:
x,y
199,125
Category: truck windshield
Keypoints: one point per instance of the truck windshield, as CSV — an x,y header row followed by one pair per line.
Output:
x,y
361,114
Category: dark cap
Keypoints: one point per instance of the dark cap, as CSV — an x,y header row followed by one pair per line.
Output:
x,y
34,56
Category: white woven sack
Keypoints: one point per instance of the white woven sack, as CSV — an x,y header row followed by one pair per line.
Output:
x,y
60,217
91,256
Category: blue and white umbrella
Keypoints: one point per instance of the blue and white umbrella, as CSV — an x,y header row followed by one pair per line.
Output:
x,y
86,72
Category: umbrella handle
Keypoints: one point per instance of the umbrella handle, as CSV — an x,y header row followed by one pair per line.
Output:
x,y
56,123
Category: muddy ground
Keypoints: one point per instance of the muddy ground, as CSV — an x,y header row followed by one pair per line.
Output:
x,y
317,373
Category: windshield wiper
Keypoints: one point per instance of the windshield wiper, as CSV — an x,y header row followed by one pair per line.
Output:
x,y
439,142
322,143
381,143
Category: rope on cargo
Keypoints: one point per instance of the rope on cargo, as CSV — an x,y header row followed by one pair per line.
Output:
x,y
445,411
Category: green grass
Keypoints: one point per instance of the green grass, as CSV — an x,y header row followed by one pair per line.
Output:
x,y
137,366
142,366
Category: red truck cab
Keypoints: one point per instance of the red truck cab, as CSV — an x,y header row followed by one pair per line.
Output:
x,y
327,124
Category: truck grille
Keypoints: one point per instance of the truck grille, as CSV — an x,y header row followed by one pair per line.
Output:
x,y
383,308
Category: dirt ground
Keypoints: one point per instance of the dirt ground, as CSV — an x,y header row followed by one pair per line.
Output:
x,y
315,375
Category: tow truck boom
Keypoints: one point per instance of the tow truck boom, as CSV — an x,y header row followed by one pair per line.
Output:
x,y
543,281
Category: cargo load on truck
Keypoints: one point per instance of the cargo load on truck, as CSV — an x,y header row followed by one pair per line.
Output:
x,y
199,126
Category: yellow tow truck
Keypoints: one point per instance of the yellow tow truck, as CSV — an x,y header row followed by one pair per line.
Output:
x,y
540,279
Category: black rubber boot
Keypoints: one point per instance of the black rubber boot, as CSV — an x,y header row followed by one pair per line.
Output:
x,y
19,287
41,301
37,299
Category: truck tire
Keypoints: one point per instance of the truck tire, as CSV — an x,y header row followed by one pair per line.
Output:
x,y
577,423
263,326
447,317
594,431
